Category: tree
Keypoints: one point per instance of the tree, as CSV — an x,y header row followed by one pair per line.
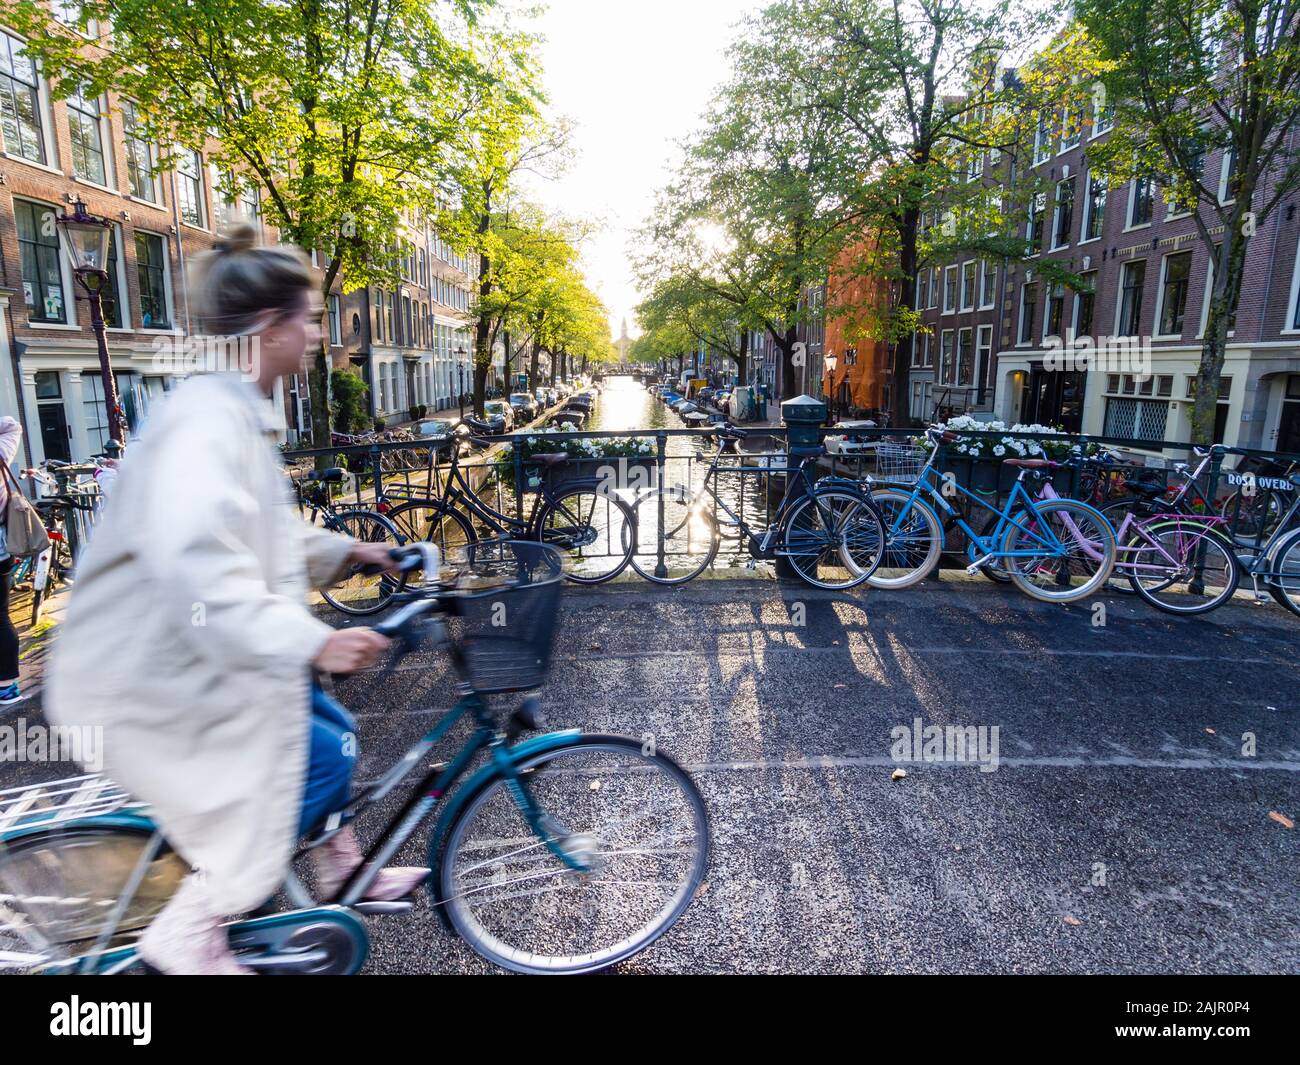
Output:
x,y
1187,79
339,112
703,313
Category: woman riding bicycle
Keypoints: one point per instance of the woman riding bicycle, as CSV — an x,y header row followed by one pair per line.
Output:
x,y
188,639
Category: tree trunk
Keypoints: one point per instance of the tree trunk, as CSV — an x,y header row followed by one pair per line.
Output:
x,y
900,372
1223,297
742,363
532,365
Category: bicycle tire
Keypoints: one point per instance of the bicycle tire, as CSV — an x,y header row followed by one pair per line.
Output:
x,y
1017,567
578,528
886,500
1286,546
359,595
806,549
645,559
1210,536
535,768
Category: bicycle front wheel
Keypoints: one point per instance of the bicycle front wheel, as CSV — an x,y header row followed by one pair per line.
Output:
x,y
1284,585
833,539
1064,553
359,594
690,536
595,530
632,818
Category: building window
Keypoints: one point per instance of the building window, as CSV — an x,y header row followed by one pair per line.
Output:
x,y
949,289
1042,138
966,357
983,355
988,284
1103,113
189,187
921,294
1140,200
1173,293
151,269
945,357
1055,310
1085,304
969,278
1028,298
934,288
42,269
1132,278
1209,291
1063,221
1094,209
336,320
86,128
1071,127
1034,229
1136,419
141,156
113,302
21,114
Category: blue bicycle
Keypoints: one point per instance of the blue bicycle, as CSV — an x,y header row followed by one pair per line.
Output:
x,y
1057,550
564,853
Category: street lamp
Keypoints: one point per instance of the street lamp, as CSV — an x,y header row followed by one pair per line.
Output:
x,y
86,240
830,361
460,373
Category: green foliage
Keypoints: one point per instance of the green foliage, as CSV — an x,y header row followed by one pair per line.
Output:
x,y
349,400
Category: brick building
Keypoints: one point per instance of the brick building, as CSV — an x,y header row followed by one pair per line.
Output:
x,y
995,327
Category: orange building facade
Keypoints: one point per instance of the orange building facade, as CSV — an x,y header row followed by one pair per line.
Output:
x,y
856,301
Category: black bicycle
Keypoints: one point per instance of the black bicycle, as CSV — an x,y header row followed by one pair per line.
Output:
x,y
591,526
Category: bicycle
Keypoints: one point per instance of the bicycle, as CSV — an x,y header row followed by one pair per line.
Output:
x,y
829,530
592,526
360,592
1047,547
561,853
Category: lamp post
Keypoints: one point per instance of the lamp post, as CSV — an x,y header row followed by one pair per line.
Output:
x,y
830,361
460,374
86,241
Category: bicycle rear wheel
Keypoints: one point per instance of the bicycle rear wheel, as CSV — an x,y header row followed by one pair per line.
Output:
x,y
435,522
359,594
1073,551
1285,586
833,538
1202,576
634,819
595,530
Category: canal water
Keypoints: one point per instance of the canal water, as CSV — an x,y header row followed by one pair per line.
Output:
x,y
625,404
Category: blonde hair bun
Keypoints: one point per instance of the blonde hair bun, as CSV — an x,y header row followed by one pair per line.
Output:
x,y
238,238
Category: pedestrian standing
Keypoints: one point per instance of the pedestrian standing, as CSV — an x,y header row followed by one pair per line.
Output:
x,y
11,437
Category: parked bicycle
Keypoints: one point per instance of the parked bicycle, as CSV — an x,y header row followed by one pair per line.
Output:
x,y
1047,548
359,593
561,853
829,530
594,528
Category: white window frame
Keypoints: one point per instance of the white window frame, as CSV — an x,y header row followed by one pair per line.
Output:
x,y
1119,295
956,358
973,265
1078,306
205,214
66,280
983,343
1023,341
956,289
123,289
49,142
985,266
945,337
1056,211
1132,203
1160,294
1291,324
336,320
1047,303
1085,218
1205,302
151,150
105,145
167,280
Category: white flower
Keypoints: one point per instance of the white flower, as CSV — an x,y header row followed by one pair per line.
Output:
x,y
999,450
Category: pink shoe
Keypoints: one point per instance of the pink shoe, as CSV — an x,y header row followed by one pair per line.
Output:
x,y
341,854
187,939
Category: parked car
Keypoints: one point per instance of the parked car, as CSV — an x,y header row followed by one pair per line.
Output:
x,y
722,400
525,405
499,415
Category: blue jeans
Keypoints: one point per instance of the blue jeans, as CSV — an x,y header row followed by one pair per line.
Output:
x,y
333,755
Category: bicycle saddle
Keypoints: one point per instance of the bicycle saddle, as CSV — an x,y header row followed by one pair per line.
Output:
x,y
1030,464
548,460
807,452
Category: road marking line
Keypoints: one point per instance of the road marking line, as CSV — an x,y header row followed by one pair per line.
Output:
x,y
1061,762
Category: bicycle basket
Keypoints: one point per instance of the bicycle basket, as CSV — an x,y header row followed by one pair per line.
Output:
x,y
900,462
508,598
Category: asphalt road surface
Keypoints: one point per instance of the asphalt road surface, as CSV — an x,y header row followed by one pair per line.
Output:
x,y
1124,828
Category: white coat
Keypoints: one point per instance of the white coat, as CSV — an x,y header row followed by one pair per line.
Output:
x,y
188,639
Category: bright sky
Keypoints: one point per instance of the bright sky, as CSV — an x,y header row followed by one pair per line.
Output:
x,y
634,75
